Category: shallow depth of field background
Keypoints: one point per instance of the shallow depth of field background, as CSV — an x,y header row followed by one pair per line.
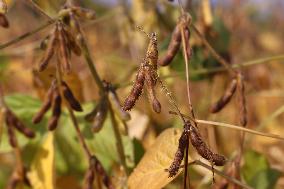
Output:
x,y
241,31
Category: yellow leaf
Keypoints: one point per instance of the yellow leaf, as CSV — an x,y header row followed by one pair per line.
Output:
x,y
207,14
41,174
150,172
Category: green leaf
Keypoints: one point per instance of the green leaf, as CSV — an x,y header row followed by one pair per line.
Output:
x,y
24,107
254,162
265,179
257,173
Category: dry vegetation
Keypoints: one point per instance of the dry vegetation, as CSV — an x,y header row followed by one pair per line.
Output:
x,y
151,94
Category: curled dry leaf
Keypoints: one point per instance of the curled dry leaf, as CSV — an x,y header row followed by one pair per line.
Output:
x,y
150,172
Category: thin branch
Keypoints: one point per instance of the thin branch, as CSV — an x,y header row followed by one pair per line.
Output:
x,y
119,144
235,127
28,34
232,180
37,8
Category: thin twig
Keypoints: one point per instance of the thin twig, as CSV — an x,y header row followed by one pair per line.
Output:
x,y
233,180
235,127
119,144
36,7
28,34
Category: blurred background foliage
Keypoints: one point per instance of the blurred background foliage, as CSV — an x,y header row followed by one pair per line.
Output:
x,y
239,31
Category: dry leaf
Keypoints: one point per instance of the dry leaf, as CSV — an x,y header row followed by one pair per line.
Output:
x,y
150,172
41,174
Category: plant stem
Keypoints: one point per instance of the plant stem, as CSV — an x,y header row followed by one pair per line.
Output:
x,y
119,144
103,91
230,126
91,65
232,180
18,39
71,113
36,7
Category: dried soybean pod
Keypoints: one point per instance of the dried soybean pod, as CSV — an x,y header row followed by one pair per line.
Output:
x,y
90,116
56,111
90,175
106,180
63,49
4,21
185,21
45,106
72,44
136,90
10,128
52,43
125,116
225,99
187,37
100,116
173,47
72,101
18,124
242,101
182,143
152,50
203,149
151,78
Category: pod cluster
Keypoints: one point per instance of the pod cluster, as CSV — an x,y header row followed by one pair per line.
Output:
x,y
62,43
95,167
98,115
146,75
53,101
192,134
12,123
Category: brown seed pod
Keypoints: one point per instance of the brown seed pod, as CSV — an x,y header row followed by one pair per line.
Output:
x,y
187,37
182,143
23,129
100,115
151,79
152,51
63,51
242,101
72,101
100,170
114,100
52,43
90,116
202,148
18,124
173,47
4,21
135,91
10,129
56,111
90,176
225,99
72,44
45,106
